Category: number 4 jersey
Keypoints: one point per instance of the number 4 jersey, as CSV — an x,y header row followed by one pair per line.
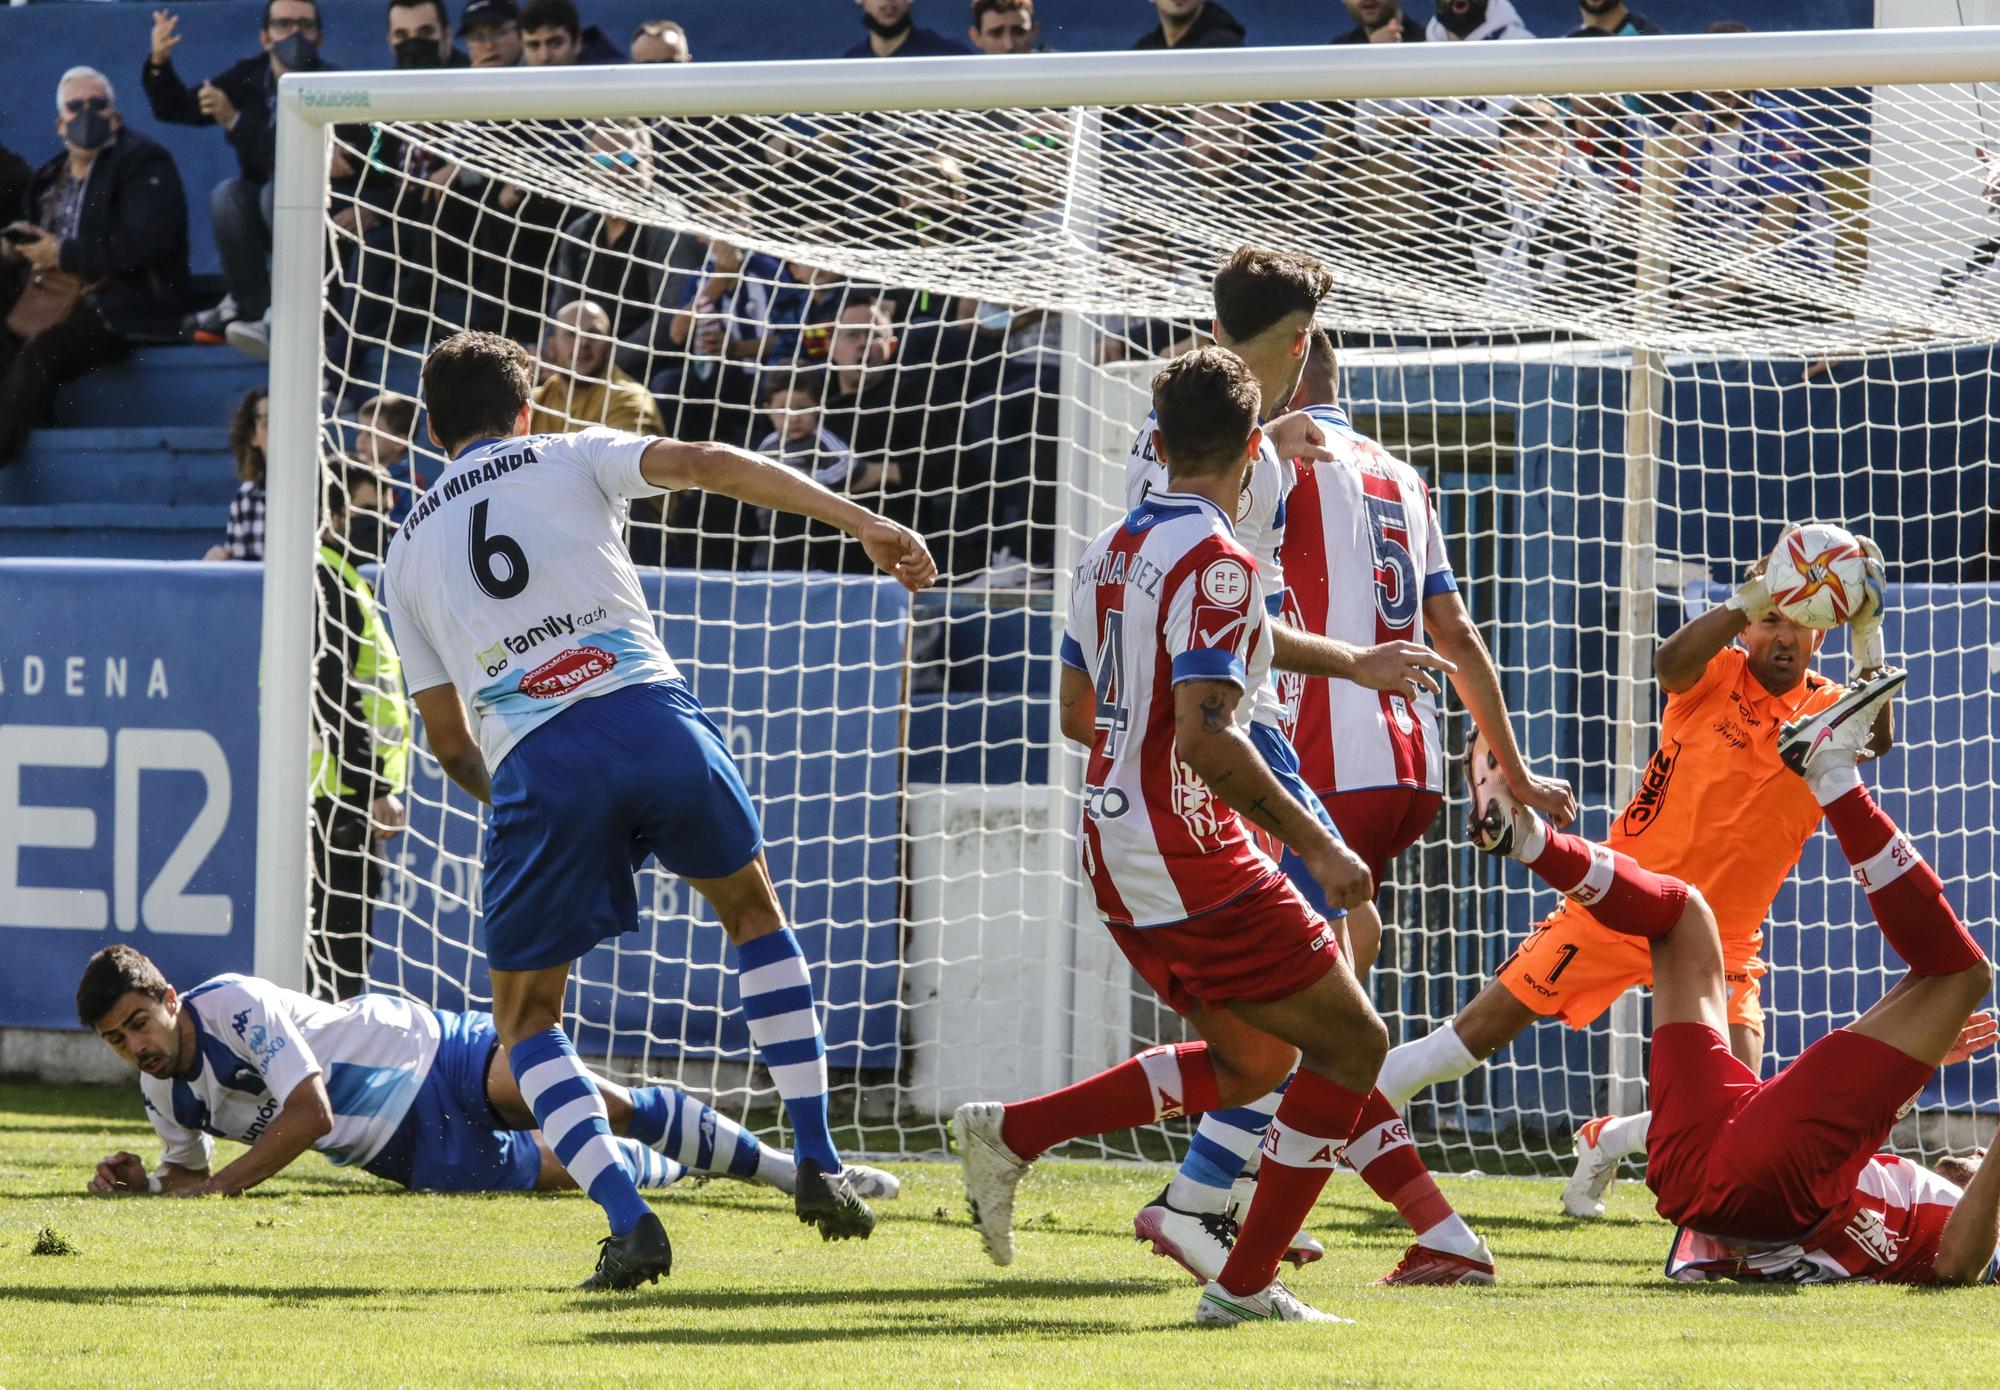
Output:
x,y
510,581
1362,553
1165,596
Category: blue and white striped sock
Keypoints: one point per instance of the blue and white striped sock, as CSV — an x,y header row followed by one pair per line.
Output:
x,y
1223,1144
571,1115
778,1004
648,1167
706,1141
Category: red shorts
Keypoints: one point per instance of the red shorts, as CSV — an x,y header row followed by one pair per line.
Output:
x,y
1380,823
1744,1159
1267,944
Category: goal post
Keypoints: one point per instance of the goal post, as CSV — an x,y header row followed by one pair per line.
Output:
x,y
1603,452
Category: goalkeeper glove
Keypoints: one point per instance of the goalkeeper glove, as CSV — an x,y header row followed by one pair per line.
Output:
x,y
1864,628
1752,597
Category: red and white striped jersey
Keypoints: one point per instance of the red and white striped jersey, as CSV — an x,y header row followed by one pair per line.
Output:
x,y
1259,527
1888,1234
1166,595
1362,553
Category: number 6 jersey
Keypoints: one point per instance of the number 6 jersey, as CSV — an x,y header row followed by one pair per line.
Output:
x,y
1165,596
510,580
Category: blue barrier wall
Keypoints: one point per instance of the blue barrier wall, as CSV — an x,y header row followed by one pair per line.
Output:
x,y
42,40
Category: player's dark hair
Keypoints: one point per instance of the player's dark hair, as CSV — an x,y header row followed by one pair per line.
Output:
x,y
1259,288
113,973
537,15
1206,404
265,22
475,385
1319,380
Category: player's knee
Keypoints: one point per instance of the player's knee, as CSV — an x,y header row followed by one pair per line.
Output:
x,y
1355,1042
1249,1071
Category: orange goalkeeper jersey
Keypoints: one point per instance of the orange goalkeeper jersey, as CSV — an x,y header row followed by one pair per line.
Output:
x,y
1715,806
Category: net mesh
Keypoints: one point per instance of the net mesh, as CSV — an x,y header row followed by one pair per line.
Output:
x,y
954,314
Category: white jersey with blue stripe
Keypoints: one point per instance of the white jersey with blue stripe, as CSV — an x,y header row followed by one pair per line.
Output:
x,y
510,580
1259,527
258,1042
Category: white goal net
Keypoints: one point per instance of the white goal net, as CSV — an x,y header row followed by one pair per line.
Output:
x,y
1624,337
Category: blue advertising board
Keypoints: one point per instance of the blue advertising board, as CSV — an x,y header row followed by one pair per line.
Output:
x,y
128,760
128,772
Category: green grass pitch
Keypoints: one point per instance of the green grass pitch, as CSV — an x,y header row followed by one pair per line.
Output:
x,y
330,1278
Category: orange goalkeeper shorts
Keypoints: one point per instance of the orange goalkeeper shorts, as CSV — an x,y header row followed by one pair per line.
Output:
x,y
1572,967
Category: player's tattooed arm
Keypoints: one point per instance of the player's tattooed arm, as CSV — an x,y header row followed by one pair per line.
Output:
x,y
1208,740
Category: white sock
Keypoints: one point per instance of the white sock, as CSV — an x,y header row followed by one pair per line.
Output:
x,y
1625,1136
1452,1236
1832,776
1410,1068
1528,848
648,1166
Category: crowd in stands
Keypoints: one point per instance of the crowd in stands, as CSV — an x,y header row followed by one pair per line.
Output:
x,y
942,410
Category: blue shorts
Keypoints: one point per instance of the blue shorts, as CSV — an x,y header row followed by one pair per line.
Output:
x,y
581,801
450,1140
1283,759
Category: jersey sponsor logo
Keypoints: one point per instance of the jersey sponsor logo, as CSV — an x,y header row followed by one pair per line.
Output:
x,y
1105,803
567,671
474,476
257,1126
1226,582
1649,802
1872,1234
1219,627
493,660
263,1045
1194,803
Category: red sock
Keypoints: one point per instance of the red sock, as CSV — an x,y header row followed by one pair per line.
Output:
x,y
1610,886
1903,891
1159,1083
1299,1155
1380,1150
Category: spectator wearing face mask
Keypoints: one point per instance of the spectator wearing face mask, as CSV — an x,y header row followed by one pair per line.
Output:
x,y
1610,19
100,259
242,99
553,36
894,33
420,36
1474,20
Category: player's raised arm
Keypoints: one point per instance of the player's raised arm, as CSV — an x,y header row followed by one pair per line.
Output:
x,y
1209,740
896,550
1478,686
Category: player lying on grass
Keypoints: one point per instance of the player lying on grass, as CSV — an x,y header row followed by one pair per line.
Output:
x,y
1168,637
1265,303
420,1096
1782,1179
519,615
1716,809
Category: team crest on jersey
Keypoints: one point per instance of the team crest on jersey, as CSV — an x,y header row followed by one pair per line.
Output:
x,y
1243,498
1225,581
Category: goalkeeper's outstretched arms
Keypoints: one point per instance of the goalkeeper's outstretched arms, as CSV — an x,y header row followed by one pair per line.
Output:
x,y
896,550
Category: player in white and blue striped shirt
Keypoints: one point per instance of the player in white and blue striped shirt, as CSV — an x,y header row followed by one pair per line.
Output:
x,y
420,1096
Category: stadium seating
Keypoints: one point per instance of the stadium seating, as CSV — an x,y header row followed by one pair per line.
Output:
x,y
165,454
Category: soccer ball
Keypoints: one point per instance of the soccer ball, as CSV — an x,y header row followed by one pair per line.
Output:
x,y
1818,575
